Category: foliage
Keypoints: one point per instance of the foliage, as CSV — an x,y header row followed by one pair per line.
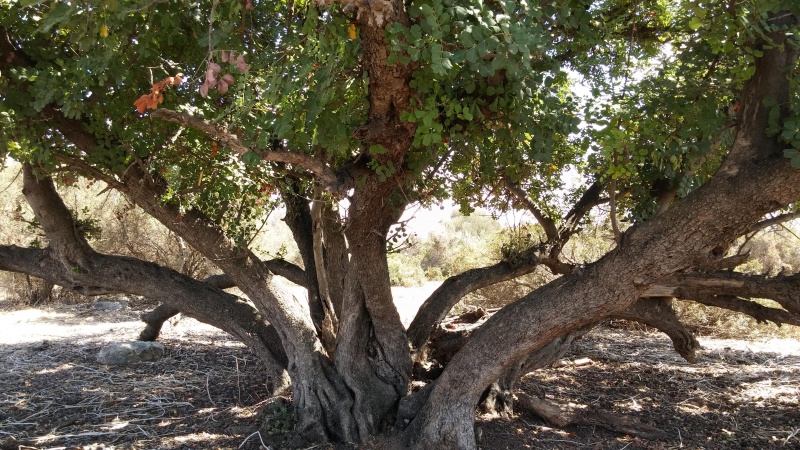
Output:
x,y
405,270
774,251
494,93
204,113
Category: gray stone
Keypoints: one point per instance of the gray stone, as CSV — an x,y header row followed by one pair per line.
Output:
x,y
119,305
119,353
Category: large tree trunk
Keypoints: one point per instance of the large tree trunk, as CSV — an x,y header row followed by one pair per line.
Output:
x,y
372,351
753,180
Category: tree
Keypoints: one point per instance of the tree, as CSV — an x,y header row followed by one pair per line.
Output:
x,y
690,131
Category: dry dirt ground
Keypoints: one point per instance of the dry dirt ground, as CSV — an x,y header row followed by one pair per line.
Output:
x,y
207,393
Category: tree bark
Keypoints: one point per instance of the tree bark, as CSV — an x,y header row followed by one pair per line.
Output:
x,y
453,289
298,218
441,301
784,289
372,348
753,180
658,313
154,320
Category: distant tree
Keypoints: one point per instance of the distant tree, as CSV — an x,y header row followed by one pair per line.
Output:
x,y
208,115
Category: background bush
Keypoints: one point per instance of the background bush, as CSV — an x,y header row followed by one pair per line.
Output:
x,y
464,242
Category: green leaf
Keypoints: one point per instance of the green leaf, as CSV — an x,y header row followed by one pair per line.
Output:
x,y
748,72
56,15
695,23
377,149
251,158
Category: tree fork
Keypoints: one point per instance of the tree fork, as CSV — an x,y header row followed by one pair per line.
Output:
x,y
685,236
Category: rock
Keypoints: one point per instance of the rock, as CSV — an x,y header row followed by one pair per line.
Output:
x,y
110,305
119,353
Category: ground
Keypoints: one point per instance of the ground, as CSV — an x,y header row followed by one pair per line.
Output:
x,y
207,392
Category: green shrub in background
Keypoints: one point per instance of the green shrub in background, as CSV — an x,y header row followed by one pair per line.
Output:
x,y
405,270
113,226
464,243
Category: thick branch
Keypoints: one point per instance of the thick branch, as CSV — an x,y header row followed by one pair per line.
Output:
x,y
65,240
123,274
754,174
442,300
129,275
777,220
154,320
759,312
783,289
658,313
325,174
298,219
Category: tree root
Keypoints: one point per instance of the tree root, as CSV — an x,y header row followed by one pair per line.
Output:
x,y
562,415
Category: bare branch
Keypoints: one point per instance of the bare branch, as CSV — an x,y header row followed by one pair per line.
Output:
x,y
436,307
547,223
124,274
588,200
759,312
777,220
322,171
783,289
658,313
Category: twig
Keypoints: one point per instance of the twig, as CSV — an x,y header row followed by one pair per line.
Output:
x,y
208,391
259,438
52,437
794,433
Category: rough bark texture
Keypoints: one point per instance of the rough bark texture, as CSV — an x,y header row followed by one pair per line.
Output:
x,y
155,319
298,219
372,348
441,301
658,313
753,180
697,286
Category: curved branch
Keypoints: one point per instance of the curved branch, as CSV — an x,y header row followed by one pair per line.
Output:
x,y
123,274
658,313
70,262
588,200
759,312
442,300
752,174
547,223
68,244
325,174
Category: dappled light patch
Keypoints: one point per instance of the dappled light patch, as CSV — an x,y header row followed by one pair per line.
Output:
x,y
738,394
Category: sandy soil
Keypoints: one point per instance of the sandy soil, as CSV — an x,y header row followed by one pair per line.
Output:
x,y
208,392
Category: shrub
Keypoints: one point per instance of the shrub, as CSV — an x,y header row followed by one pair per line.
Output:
x,y
405,270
